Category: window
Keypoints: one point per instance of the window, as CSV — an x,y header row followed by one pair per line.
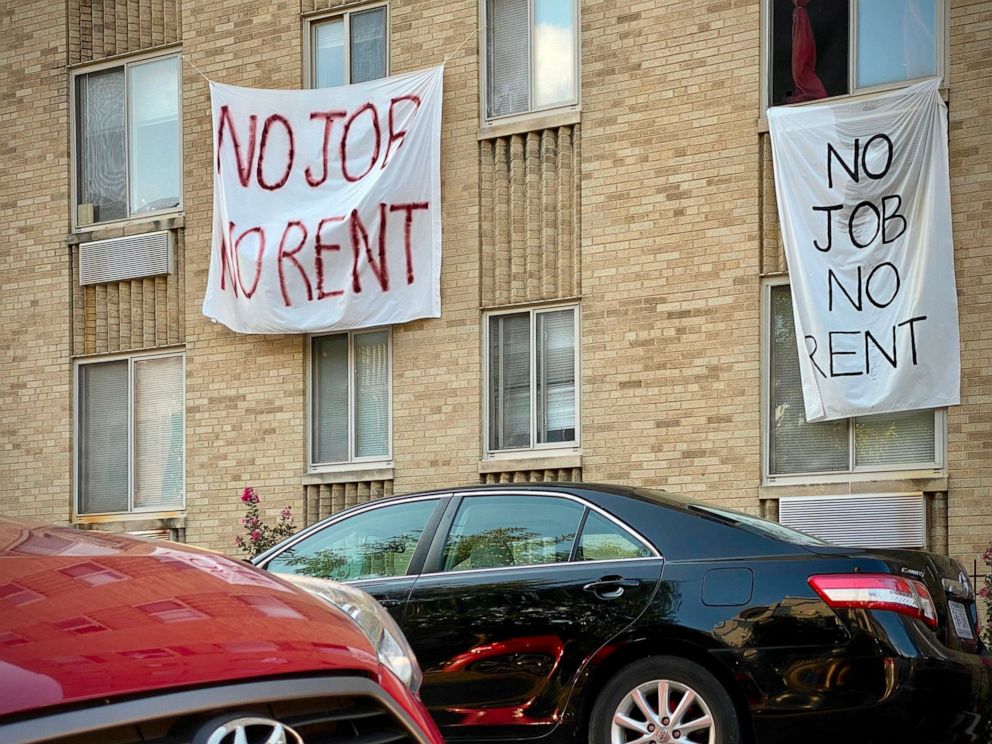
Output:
x,y
603,540
824,48
128,158
349,48
532,371
373,544
350,405
501,531
531,59
129,435
894,441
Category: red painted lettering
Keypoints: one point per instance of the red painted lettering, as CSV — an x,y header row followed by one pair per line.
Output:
x,y
290,154
407,232
291,256
360,234
344,141
226,270
227,122
395,135
258,259
329,118
320,248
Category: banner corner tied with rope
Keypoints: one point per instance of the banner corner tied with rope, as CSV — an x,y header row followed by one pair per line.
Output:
x,y
864,203
327,205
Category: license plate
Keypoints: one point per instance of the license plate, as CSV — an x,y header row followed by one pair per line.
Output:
x,y
962,625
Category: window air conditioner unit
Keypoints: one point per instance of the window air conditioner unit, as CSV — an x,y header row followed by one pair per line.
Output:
x,y
131,257
882,520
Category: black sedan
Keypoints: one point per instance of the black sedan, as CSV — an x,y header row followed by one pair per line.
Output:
x,y
577,612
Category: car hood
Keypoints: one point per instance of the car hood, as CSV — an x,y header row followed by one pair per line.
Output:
x,y
87,615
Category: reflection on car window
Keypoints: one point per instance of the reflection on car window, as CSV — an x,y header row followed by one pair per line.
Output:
x,y
370,545
499,531
602,540
763,526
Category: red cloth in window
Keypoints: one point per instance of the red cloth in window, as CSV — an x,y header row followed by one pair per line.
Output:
x,y
808,85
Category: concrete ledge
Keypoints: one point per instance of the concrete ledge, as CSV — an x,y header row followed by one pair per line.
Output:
x,y
530,123
894,485
547,462
347,476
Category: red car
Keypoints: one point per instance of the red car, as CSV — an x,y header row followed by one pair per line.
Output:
x,y
108,638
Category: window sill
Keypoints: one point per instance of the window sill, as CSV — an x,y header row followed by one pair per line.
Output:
x,y
349,473
133,522
126,228
531,460
762,124
856,483
530,122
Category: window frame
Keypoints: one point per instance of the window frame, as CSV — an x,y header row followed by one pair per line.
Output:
x,y
123,62
131,358
352,463
547,448
574,105
942,55
854,472
312,21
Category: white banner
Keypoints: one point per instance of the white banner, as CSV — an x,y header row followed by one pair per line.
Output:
x,y
865,207
327,206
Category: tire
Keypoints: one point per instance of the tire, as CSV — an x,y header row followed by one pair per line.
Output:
x,y
709,714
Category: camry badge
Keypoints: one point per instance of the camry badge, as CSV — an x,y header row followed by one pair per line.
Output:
x,y
248,729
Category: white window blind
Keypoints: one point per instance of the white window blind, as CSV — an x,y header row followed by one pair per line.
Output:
x,y
103,438
371,394
328,54
509,349
153,115
130,435
795,446
368,45
897,40
101,159
158,433
556,376
508,61
330,410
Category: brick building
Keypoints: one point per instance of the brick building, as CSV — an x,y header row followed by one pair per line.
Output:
x,y
615,297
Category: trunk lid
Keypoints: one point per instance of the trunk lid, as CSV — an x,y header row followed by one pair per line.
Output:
x,y
948,583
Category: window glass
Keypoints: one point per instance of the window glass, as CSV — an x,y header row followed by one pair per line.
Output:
x,y
891,438
368,45
531,48
509,379
158,433
603,540
897,40
100,144
330,409
797,446
103,438
556,376
373,544
350,388
329,54
501,531
130,435
816,44
153,104
554,52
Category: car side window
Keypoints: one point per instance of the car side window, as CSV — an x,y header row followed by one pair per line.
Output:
x,y
501,531
372,544
603,540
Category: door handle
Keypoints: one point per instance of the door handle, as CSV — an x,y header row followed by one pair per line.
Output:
x,y
390,602
611,587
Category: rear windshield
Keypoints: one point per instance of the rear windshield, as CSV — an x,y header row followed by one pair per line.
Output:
x,y
763,526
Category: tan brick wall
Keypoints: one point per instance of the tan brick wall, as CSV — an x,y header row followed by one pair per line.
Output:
x,y
664,221
35,377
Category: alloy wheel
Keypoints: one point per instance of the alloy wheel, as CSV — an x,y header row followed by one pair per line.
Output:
x,y
663,712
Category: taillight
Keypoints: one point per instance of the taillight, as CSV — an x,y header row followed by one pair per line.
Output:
x,y
876,592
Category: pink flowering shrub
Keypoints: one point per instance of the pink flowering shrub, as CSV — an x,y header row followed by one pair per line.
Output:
x,y
259,536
